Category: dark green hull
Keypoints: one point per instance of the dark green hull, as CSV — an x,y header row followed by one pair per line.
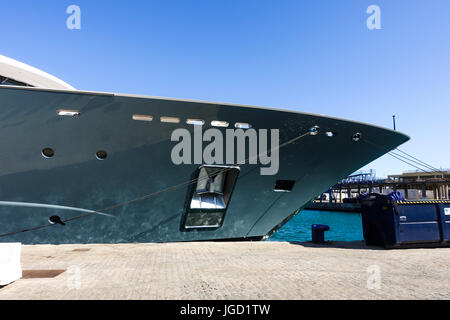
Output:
x,y
139,164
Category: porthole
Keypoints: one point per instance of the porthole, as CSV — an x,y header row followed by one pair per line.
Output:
x,y
314,131
357,136
330,134
56,220
101,155
48,152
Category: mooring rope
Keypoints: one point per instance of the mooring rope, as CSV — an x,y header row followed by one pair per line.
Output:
x,y
312,131
406,160
420,161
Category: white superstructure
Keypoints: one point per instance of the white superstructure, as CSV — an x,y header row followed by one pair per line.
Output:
x,y
15,72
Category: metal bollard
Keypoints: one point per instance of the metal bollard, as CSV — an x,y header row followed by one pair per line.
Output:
x,y
318,232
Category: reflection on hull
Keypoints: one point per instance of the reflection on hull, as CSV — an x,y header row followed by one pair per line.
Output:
x,y
50,206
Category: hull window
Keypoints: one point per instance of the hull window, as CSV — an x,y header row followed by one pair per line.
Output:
x,y
142,117
284,185
70,113
195,122
210,197
241,125
170,120
10,82
220,124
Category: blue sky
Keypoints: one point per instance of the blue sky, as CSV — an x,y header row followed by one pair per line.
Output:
x,y
312,56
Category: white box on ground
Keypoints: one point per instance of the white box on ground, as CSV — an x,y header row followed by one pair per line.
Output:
x,y
10,268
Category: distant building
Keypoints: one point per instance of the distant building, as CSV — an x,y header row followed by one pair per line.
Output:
x,y
417,176
413,185
425,185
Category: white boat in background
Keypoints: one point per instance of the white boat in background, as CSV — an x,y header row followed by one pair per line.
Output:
x,y
13,72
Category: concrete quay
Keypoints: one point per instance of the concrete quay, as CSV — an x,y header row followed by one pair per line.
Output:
x,y
226,270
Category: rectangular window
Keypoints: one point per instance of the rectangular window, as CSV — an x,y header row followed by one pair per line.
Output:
x,y
10,82
284,185
142,117
170,120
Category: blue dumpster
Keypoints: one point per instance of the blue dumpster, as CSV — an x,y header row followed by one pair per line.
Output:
x,y
391,222
318,232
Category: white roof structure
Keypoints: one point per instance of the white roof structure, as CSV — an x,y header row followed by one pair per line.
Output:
x,y
16,71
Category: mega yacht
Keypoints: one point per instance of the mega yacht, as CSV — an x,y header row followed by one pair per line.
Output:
x,y
92,167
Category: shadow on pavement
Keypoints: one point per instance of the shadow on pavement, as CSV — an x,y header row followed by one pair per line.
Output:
x,y
359,245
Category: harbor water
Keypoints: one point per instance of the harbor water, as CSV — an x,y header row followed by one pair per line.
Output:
x,y
344,226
